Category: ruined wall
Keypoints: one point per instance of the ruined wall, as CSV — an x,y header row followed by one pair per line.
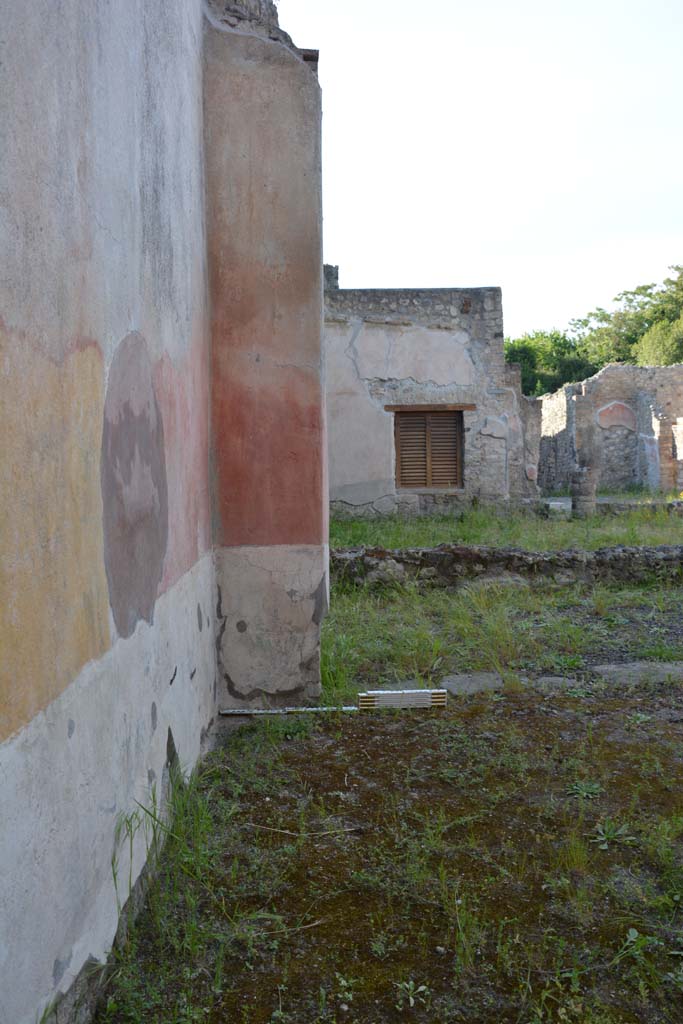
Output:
x,y
452,565
557,456
626,420
109,609
419,347
264,238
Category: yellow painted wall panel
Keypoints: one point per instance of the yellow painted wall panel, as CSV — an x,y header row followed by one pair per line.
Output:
x,y
54,605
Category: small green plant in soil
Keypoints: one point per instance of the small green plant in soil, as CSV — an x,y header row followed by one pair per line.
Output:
x,y
609,832
345,987
585,789
409,995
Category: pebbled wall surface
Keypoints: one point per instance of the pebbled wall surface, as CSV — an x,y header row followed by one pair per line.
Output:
x,y
452,565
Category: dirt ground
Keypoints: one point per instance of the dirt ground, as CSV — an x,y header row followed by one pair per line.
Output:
x,y
516,858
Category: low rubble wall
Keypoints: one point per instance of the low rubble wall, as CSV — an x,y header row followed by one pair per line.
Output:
x,y
454,564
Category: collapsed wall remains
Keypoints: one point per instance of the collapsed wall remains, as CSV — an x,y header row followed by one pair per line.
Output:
x,y
625,423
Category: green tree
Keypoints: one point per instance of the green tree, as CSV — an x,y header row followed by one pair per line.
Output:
x,y
661,345
646,327
548,360
524,354
614,337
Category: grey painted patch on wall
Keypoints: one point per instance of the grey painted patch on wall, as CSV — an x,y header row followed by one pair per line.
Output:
x,y
71,727
59,967
134,486
320,602
171,752
199,617
154,716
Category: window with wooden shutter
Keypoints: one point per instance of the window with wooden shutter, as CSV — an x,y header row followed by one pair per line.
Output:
x,y
429,448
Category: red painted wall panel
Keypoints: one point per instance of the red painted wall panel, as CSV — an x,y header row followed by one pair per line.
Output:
x,y
265,272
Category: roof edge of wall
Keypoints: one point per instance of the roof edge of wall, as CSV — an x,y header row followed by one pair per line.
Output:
x,y
254,17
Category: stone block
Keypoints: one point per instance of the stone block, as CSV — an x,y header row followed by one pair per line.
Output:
x,y
464,684
634,672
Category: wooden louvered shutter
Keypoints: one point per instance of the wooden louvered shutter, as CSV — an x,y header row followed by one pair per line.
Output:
x,y
429,449
444,443
411,449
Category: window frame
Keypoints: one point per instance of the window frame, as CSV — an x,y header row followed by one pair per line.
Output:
x,y
426,410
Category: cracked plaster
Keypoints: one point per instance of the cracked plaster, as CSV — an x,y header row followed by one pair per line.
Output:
x,y
106,201
401,358
270,603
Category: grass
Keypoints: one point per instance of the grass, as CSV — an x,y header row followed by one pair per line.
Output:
x,y
632,492
508,860
380,636
515,529
515,859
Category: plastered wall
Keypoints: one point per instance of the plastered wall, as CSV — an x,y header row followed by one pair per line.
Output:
x,y
421,347
145,519
625,420
264,242
106,576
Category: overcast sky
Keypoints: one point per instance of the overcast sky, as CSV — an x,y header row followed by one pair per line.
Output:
x,y
536,145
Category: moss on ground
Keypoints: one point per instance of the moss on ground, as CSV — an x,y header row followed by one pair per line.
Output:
x,y
514,859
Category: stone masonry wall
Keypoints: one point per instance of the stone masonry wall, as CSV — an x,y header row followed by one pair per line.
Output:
x,y
419,347
452,565
557,457
255,16
626,420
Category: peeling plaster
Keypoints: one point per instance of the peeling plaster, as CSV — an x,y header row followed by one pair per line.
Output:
x,y
372,363
270,652
634,407
119,757
616,414
106,290
134,488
